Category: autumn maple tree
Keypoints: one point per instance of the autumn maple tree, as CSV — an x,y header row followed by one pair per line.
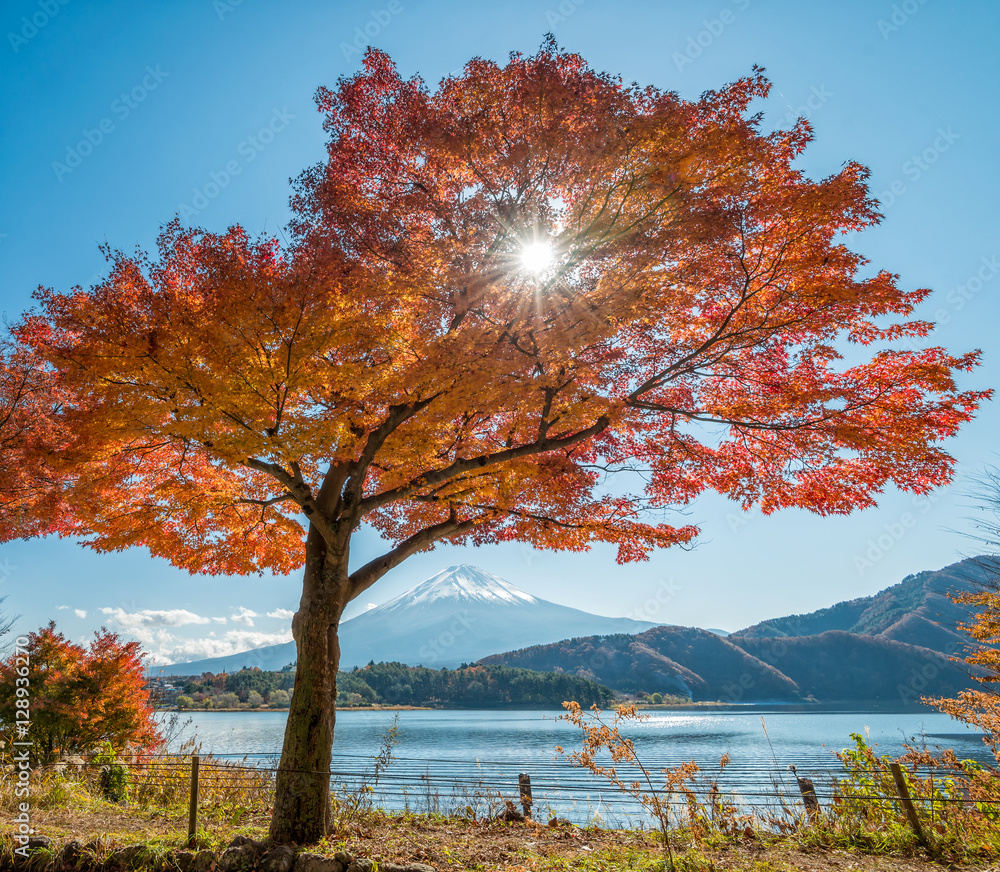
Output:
x,y
80,699
495,294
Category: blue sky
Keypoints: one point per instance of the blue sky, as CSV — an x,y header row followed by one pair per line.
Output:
x,y
118,115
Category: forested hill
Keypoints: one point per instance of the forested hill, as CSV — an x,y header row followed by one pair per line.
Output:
x,y
893,647
916,611
397,684
839,667
494,686
829,667
679,661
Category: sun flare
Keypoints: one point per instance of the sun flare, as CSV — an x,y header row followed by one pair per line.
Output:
x,y
537,257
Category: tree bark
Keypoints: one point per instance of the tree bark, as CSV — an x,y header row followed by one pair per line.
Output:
x,y
302,812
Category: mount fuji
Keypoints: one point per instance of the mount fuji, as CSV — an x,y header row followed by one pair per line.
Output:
x,y
457,616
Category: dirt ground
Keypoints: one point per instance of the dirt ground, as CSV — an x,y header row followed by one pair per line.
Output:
x,y
448,844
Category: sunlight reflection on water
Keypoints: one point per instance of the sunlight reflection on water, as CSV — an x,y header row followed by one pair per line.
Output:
x,y
453,754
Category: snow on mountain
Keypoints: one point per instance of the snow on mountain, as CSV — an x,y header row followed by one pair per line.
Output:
x,y
459,615
458,584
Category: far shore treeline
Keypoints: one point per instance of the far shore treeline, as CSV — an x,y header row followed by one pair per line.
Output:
x,y
492,686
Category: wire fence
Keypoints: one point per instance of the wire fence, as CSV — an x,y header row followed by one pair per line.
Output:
x,y
482,788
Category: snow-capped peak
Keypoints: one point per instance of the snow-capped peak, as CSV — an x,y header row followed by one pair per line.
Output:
x,y
461,583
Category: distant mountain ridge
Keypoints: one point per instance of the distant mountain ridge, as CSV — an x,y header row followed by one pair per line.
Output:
x,y
683,661
892,646
456,616
462,614
916,611
830,667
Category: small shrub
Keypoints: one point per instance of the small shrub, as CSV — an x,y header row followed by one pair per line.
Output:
x,y
114,775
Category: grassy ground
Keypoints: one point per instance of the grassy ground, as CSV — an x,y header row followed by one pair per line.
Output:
x,y
460,844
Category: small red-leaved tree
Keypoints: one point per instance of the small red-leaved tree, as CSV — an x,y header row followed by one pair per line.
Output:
x,y
496,292
79,699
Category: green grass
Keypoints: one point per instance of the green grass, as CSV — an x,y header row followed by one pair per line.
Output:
x,y
68,807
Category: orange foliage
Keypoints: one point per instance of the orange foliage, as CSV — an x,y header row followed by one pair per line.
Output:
x,y
981,708
236,405
29,436
397,366
78,698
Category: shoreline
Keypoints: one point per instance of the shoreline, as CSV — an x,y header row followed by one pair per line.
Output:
x,y
816,706
704,704
339,708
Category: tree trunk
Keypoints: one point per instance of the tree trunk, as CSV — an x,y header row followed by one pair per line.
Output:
x,y
302,812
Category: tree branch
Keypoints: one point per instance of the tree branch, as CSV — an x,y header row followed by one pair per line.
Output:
x,y
347,500
363,578
299,491
760,425
471,464
265,503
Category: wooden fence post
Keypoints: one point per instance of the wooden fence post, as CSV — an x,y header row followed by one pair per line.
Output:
x,y
193,808
524,783
809,798
904,798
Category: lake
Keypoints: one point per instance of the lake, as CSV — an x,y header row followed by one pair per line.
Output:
x,y
448,760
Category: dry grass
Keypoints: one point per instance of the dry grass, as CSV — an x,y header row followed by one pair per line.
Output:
x,y
236,800
455,844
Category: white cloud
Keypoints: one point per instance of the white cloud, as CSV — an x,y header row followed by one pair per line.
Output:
x,y
244,616
371,606
233,642
157,630
62,608
147,625
80,613
281,613
154,617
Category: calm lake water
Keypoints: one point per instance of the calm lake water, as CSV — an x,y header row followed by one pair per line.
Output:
x,y
447,760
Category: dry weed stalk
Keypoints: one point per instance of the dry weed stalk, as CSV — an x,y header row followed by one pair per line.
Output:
x,y
600,736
